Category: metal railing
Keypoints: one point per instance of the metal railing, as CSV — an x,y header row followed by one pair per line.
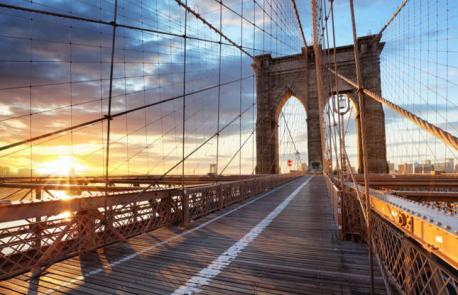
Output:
x,y
415,245
408,265
34,235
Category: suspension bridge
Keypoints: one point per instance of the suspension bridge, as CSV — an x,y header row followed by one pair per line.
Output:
x,y
228,147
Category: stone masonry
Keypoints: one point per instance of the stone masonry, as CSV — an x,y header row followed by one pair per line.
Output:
x,y
277,79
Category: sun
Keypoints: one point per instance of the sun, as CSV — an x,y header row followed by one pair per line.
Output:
x,y
62,166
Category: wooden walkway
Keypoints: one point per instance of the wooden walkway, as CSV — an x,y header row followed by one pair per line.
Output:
x,y
282,242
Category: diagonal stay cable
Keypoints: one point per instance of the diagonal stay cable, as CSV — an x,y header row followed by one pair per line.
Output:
x,y
189,155
296,11
207,140
63,130
289,133
393,17
446,137
237,152
198,16
102,22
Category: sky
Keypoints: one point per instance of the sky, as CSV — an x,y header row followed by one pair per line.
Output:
x,y
292,135
55,73
418,71
371,16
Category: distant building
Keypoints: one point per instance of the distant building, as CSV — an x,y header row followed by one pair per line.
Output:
x,y
450,165
424,168
428,167
439,167
405,168
417,168
304,167
213,170
445,167
391,167
4,171
24,172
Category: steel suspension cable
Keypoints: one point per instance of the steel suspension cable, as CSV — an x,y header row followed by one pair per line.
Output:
x,y
63,130
296,12
393,17
238,152
289,132
362,122
318,69
340,116
177,164
206,22
441,134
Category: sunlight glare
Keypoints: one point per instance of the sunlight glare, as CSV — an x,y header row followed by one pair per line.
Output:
x,y
63,166
60,195
64,215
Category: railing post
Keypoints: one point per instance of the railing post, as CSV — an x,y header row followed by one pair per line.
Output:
x,y
86,231
339,202
185,208
220,196
38,226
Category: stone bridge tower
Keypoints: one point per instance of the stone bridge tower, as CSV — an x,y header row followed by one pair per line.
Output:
x,y
277,79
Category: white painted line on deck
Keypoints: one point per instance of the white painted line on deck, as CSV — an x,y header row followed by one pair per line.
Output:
x,y
203,278
131,256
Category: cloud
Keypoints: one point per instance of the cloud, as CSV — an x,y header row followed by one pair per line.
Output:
x,y
55,73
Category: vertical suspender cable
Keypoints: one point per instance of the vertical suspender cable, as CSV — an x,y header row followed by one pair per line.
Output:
x,y
30,105
185,201
335,128
254,92
219,87
324,24
362,122
319,84
241,84
110,95
340,116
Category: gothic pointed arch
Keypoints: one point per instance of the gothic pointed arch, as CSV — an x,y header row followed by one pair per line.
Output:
x,y
279,78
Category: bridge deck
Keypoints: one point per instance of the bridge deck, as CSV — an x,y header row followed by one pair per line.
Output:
x,y
276,243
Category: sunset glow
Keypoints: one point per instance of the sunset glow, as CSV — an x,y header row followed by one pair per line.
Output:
x,y
63,166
